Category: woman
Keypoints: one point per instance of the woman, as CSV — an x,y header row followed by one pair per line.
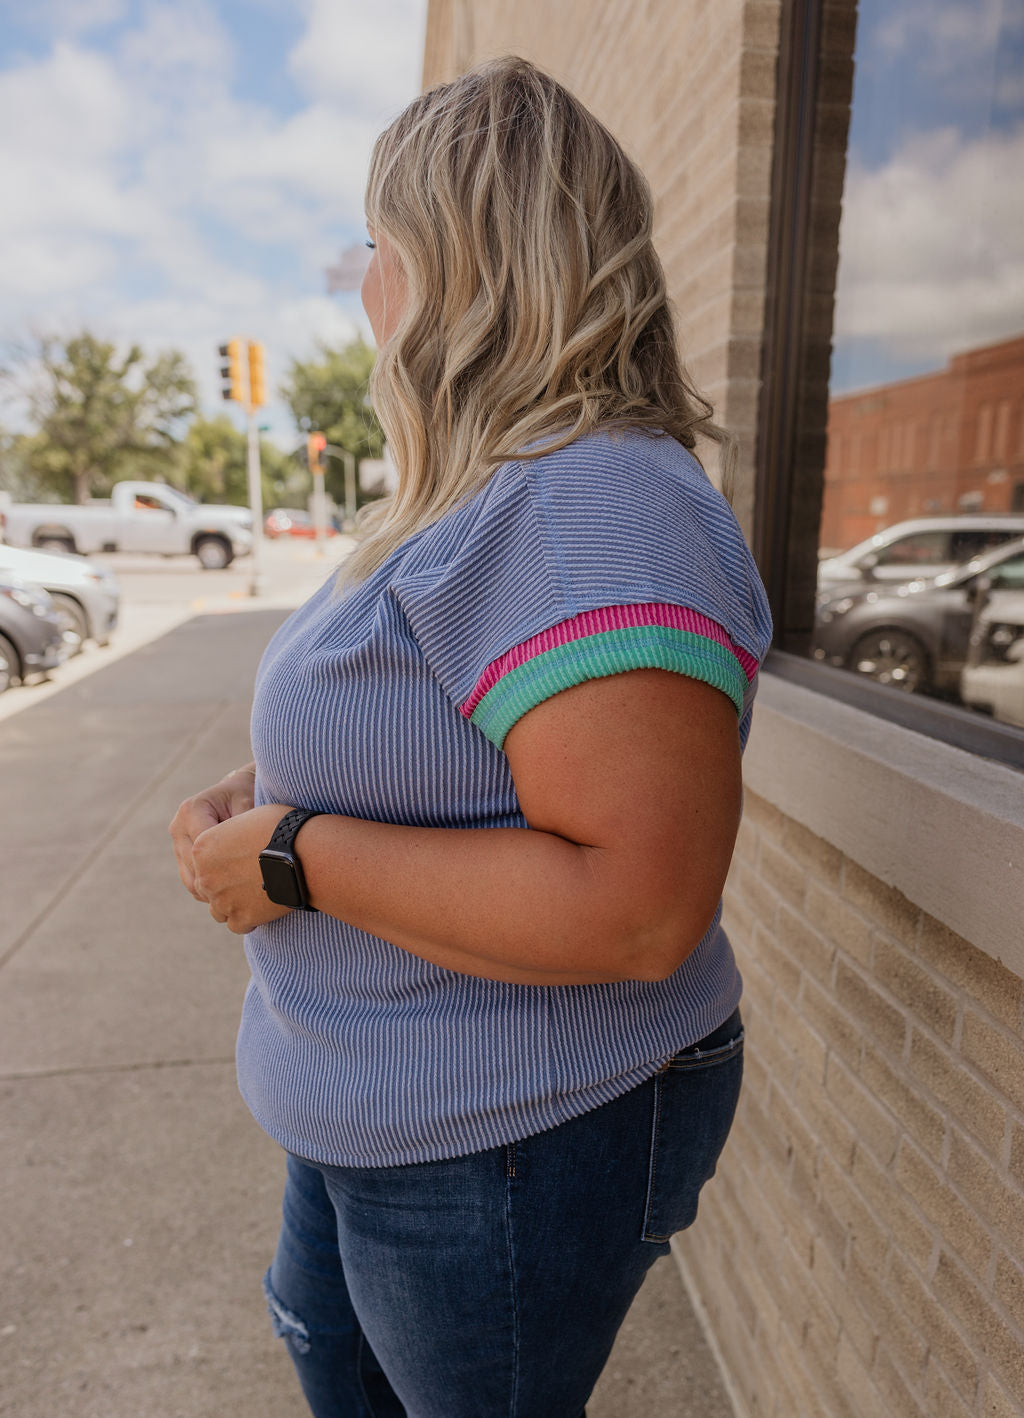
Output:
x,y
493,1016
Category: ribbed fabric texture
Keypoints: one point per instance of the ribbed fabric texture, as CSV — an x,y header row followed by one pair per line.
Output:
x,y
606,642
612,554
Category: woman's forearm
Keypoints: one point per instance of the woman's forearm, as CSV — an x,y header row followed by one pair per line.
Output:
x,y
512,904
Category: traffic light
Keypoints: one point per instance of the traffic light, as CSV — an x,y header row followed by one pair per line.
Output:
x,y
257,387
315,445
233,387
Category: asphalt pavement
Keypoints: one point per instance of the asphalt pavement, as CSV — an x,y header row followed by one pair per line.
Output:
x,y
138,1200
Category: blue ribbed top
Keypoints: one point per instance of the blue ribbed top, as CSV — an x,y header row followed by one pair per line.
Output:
x,y
353,1051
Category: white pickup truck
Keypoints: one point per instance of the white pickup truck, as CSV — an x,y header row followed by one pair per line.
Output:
x,y
138,516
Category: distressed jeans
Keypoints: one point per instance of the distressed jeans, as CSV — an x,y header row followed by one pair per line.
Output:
x,y
493,1285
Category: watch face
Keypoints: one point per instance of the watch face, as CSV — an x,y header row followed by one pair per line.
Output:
x,y
281,878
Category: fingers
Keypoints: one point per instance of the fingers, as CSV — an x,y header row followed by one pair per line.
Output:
x,y
193,817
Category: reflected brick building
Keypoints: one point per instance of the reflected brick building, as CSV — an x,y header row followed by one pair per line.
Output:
x,y
952,441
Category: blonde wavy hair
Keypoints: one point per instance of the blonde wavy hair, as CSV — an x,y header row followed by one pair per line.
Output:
x,y
536,309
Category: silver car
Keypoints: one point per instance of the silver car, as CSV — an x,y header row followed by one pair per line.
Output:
x,y
85,594
913,636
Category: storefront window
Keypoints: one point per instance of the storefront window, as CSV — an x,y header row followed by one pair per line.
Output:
x,y
921,536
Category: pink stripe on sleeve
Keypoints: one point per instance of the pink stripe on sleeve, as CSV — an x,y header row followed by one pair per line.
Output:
x,y
594,623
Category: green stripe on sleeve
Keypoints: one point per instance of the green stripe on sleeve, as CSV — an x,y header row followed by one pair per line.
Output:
x,y
611,652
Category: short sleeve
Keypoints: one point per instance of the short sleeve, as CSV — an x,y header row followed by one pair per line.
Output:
x,y
611,555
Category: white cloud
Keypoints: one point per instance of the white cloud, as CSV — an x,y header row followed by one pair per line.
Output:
x,y
932,246
370,54
946,38
146,200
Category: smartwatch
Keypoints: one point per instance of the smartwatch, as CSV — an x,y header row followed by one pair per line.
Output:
x,y
283,880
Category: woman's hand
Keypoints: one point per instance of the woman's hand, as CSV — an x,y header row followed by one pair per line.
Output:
x,y
234,794
225,860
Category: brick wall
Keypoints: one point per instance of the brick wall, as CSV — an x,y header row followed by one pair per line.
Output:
x,y
861,1251
688,87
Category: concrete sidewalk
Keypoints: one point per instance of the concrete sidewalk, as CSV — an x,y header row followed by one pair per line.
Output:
x,y
139,1202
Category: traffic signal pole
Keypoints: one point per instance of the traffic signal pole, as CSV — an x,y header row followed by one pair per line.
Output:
x,y
256,578
243,383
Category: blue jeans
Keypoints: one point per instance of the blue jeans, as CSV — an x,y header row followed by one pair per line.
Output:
x,y
493,1285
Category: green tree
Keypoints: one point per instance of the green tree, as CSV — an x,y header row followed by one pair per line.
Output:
x,y
328,394
100,416
213,466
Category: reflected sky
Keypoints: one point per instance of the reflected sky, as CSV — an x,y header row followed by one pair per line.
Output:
x,y
932,239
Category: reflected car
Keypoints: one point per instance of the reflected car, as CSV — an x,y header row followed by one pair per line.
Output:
x,y
293,522
86,596
921,548
31,640
913,636
993,677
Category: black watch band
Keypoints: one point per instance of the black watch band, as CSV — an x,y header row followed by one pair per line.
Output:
x,y
283,879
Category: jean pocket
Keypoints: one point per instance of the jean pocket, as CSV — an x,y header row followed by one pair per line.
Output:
x,y
695,1097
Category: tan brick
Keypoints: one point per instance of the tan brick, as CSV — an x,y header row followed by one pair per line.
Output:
x,y
872,1292
747,841
761,812
1010,1290
991,985
998,1055
970,1102
758,897
883,904
836,1028
872,1124
952,1218
817,856
764,1132
915,987
1001,1347
940,1396
996,1200
821,1357
803,1392
840,1196
880,1018
797,1137
780,965
996,1402
892,1209
900,1402
826,1123
860,1328
803,1042
854,1379
780,871
807,947
893,1087
738,920
928,1318
787,1215
1017,1153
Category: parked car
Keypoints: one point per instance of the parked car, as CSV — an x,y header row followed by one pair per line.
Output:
x,y
31,640
922,547
993,677
294,522
85,594
913,636
137,517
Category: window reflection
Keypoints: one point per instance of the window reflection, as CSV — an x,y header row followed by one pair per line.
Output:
x,y
925,460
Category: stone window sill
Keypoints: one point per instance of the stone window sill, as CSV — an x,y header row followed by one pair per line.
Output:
x,y
943,826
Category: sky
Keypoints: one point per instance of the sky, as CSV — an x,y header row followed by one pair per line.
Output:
x,y
932,236
175,172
